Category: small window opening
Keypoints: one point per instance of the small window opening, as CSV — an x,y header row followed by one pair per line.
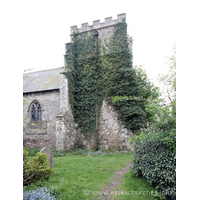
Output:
x,y
36,111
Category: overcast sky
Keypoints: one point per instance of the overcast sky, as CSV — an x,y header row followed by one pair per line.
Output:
x,y
38,30
44,29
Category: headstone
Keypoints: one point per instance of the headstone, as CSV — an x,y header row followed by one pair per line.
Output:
x,y
49,153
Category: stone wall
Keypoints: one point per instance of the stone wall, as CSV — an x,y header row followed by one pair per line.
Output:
x,y
58,128
105,29
42,133
66,132
112,133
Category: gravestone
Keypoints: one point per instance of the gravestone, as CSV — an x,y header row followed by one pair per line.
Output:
x,y
49,153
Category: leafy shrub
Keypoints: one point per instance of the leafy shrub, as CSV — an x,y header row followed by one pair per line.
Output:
x,y
156,162
32,150
37,170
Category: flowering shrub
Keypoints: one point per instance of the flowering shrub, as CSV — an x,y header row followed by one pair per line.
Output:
x,y
37,170
40,193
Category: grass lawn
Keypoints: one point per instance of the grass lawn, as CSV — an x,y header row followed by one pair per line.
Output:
x,y
78,177
134,188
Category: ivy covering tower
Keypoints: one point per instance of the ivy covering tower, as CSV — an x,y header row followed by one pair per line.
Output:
x,y
85,78
98,71
121,80
94,101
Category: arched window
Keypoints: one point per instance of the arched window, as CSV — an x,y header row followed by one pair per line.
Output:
x,y
36,111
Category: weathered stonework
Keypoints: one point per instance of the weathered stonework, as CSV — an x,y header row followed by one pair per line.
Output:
x,y
34,133
112,133
66,132
58,128
105,29
36,127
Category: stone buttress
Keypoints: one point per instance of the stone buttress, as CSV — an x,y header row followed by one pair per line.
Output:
x,y
66,132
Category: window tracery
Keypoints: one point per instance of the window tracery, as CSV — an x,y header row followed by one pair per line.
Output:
x,y
36,111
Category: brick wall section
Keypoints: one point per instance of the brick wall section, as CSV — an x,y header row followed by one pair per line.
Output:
x,y
50,102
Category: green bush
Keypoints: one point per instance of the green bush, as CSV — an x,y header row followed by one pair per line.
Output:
x,y
36,170
156,162
32,150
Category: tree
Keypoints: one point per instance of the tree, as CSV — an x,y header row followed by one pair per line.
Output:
x,y
155,146
169,80
164,115
148,91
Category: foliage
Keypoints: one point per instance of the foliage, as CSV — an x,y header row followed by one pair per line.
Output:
x,y
154,161
85,80
99,70
163,121
32,151
169,79
37,170
148,92
121,79
155,147
75,174
77,151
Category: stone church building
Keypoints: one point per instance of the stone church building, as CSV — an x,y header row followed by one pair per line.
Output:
x,y
49,120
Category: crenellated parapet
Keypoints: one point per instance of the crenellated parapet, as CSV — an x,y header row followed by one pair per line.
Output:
x,y
105,30
97,25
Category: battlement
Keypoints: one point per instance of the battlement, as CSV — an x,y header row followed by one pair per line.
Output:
x,y
97,25
105,30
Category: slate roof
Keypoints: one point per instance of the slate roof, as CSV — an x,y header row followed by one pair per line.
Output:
x,y
42,80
